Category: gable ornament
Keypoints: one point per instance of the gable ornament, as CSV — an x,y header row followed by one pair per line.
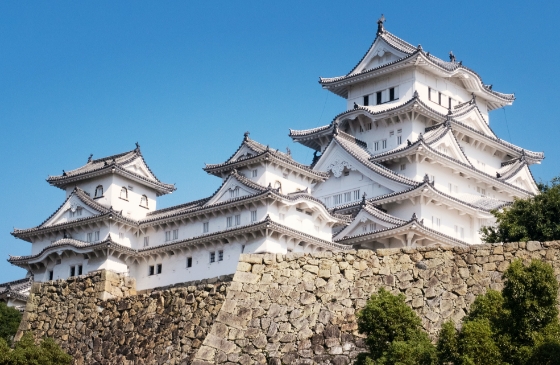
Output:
x,y
337,167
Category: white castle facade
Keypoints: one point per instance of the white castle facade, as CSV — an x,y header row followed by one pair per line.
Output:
x,y
412,162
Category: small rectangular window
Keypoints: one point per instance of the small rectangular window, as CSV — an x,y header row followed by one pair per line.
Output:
x,y
399,140
167,236
80,268
450,186
175,234
229,222
391,133
392,94
51,275
220,255
378,98
254,173
372,227
79,211
439,98
146,241
328,201
212,257
151,270
72,271
238,220
364,228
205,227
384,142
96,236
159,268
88,237
436,222
356,194
347,197
403,167
366,100
189,261
253,216
376,146
317,229
368,127
337,199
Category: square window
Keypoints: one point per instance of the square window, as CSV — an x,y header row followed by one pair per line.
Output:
x,y
189,261
221,255
253,216
159,268
212,257
205,227
151,270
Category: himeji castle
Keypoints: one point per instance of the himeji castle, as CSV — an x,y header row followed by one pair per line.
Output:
x,y
412,162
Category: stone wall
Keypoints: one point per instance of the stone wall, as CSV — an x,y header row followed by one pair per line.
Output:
x,y
279,309
100,319
300,308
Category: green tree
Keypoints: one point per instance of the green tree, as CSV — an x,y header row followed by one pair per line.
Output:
x,y
26,352
9,321
394,332
536,218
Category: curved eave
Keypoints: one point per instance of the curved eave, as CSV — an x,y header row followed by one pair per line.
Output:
x,y
220,169
339,85
62,182
26,234
412,225
309,137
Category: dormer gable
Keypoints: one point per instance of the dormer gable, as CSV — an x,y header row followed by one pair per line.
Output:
x,y
472,117
380,53
235,186
444,142
139,167
369,219
77,206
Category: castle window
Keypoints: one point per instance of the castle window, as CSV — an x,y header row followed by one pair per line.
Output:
x,y
221,255
238,220
144,201
80,269
376,146
282,217
328,201
121,236
89,237
347,197
229,222
393,93
278,185
234,193
175,234
205,227
79,211
124,193
151,270
159,268
366,100
167,236
72,271
378,98
96,236
51,274
99,191
212,257
253,216
254,173
384,143
372,227
356,194
189,261
317,229
403,167
146,241
436,222
399,139
337,199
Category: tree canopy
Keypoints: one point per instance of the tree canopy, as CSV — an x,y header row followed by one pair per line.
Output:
x,y
9,321
26,352
533,219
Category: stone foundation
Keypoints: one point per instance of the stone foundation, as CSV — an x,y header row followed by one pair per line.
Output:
x,y
279,309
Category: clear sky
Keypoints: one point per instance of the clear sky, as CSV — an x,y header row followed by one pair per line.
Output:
x,y
186,78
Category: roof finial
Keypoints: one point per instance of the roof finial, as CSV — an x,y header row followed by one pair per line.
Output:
x,y
451,56
335,130
414,217
380,28
246,136
473,100
363,203
356,105
408,143
63,173
426,178
137,145
415,95
288,151
420,137
419,47
90,157
498,175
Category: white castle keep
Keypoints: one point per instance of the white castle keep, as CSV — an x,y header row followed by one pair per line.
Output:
x,y
412,162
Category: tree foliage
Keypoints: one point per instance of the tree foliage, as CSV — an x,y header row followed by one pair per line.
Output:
x,y
9,321
26,352
536,218
518,326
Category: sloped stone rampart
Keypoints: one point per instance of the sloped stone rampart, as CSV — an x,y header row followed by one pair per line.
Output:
x,y
100,319
301,308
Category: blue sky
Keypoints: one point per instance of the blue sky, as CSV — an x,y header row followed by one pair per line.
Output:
x,y
186,79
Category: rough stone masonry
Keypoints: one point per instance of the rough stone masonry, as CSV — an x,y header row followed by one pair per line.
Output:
x,y
279,309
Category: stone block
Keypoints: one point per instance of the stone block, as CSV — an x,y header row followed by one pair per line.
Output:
x,y
533,245
243,266
246,277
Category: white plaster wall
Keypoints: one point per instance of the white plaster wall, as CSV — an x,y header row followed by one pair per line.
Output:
x,y
403,79
131,208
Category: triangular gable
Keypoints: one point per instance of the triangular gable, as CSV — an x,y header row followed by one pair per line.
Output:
x,y
232,188
364,222
447,145
524,179
380,53
72,209
475,120
138,166
335,159
243,152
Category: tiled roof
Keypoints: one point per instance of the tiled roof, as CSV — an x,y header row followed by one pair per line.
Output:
x,y
84,198
109,164
381,215
16,285
418,225
412,52
261,152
